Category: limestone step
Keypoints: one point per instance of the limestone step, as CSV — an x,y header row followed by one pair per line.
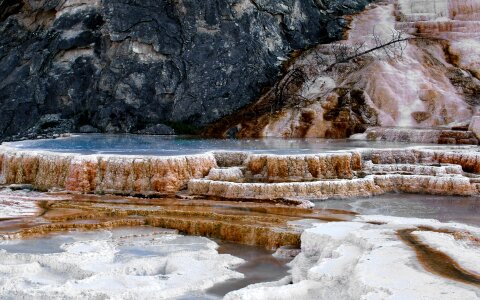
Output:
x,y
468,157
232,174
285,168
447,184
412,169
322,189
419,135
454,185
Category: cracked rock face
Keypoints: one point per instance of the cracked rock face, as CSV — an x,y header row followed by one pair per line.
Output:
x,y
123,66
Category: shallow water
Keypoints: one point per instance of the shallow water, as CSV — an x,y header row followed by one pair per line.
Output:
x,y
443,208
260,266
134,244
126,144
436,261
111,263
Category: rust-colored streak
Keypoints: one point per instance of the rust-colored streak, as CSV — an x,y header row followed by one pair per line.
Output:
x,y
436,261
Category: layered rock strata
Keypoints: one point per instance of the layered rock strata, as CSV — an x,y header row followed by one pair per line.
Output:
x,y
361,173
302,167
423,136
361,187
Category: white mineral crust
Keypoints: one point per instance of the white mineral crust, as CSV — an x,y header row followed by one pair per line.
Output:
x,y
358,260
114,266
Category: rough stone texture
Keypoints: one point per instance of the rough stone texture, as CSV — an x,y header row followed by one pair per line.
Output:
x,y
123,66
362,187
281,168
469,159
88,129
339,89
50,125
233,174
362,173
443,185
407,169
230,158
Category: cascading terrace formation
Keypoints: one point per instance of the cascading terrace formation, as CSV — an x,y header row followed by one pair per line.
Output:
x,y
243,175
240,149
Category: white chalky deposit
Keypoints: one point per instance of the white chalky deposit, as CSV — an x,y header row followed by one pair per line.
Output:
x,y
357,260
14,204
118,264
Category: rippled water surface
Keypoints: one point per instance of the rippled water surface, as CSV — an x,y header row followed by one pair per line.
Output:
x,y
180,145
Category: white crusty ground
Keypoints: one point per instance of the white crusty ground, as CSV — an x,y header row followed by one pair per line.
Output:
x,y
357,260
96,267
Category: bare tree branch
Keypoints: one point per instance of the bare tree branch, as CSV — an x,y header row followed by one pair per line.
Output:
x,y
301,76
393,48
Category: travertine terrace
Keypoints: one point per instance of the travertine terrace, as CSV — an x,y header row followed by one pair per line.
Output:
x,y
358,260
289,179
102,174
260,224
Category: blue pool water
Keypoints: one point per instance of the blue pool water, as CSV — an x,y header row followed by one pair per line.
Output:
x,y
127,144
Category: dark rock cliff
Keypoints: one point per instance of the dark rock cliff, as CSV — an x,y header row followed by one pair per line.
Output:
x,y
128,65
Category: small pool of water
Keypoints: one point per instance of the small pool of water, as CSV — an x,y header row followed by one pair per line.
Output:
x,y
259,266
126,258
127,144
443,208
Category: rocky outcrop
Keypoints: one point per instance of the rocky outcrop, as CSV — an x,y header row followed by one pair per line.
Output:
x,y
123,66
403,63
475,126
159,129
